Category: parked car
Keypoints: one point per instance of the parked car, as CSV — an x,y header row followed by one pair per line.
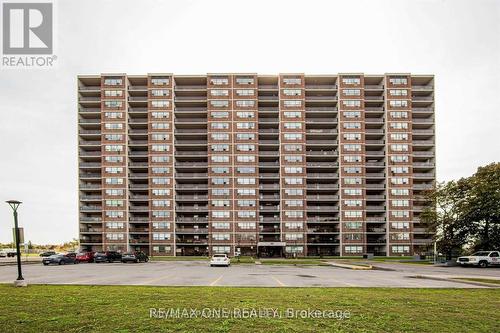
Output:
x,y
3,254
220,260
8,253
135,257
47,253
85,257
481,259
60,259
108,256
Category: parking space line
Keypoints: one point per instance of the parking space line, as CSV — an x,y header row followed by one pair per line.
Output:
x,y
278,281
152,280
342,282
216,280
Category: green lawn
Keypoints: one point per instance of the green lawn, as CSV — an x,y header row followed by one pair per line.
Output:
x,y
41,308
299,261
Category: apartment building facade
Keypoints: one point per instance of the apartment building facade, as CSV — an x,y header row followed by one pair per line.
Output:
x,y
267,165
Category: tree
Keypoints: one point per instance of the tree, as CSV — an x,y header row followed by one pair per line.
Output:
x,y
482,212
444,215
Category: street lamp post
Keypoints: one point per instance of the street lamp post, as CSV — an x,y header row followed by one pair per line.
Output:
x,y
20,282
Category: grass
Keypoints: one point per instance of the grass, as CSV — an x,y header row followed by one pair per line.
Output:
x,y
44,308
492,281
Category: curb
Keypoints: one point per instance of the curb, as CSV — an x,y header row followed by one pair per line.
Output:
x,y
474,283
353,267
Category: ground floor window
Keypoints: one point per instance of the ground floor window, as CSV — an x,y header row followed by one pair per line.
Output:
x,y
221,249
294,249
400,249
353,249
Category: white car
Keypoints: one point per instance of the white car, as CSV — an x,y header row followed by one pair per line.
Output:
x,y
220,260
3,254
481,259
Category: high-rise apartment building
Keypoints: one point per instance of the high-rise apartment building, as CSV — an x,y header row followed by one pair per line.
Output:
x,y
268,165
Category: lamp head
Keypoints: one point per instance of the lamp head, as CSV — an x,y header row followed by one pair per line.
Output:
x,y
14,204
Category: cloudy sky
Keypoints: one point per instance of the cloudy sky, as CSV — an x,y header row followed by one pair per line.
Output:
x,y
456,40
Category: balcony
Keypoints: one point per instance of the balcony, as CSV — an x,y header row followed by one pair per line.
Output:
x,y
424,175
375,186
426,87
322,186
321,120
324,208
191,231
91,230
322,131
322,175
375,219
191,186
90,208
193,208
86,219
321,197
321,86
321,153
90,175
191,220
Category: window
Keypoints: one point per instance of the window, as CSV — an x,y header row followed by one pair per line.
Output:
x,y
245,136
246,203
245,158
246,214
400,191
221,249
398,81
294,249
351,147
159,92
352,92
219,236
350,125
113,147
160,159
219,136
293,170
112,81
400,203
157,148
288,148
219,92
161,203
246,181
219,114
400,249
160,114
219,158
114,170
294,214
398,125
353,249
113,126
160,236
160,192
113,115
219,147
397,103
294,191
114,214
294,125
113,137
245,147
353,237
245,104
291,80
399,158
245,92
352,136
113,159
160,126
352,114
220,225
245,169
353,191
160,213
292,136
353,203
220,203
157,170
400,214
219,81
220,181
351,103
113,93
353,225
399,136
246,191
219,104
161,249
351,80
160,103
115,236
219,126
294,225
246,225
292,92
293,181
160,81
114,181
399,181
399,114
161,225
220,214
399,147
244,80
294,203
353,213
292,114
398,92
220,170
293,158
293,237
113,104
352,158
400,225
245,125
114,225
220,191
400,169
246,114
292,103
352,181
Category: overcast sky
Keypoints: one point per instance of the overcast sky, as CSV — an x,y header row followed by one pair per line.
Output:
x,y
458,41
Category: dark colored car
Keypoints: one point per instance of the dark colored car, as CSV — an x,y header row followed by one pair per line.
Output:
x,y
135,257
60,259
47,253
85,257
108,256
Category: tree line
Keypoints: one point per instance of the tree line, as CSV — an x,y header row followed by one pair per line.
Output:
x,y
465,214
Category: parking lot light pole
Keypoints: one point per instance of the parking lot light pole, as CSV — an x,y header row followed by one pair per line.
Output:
x,y
20,282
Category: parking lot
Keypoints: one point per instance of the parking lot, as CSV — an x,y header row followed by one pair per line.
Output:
x,y
198,273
